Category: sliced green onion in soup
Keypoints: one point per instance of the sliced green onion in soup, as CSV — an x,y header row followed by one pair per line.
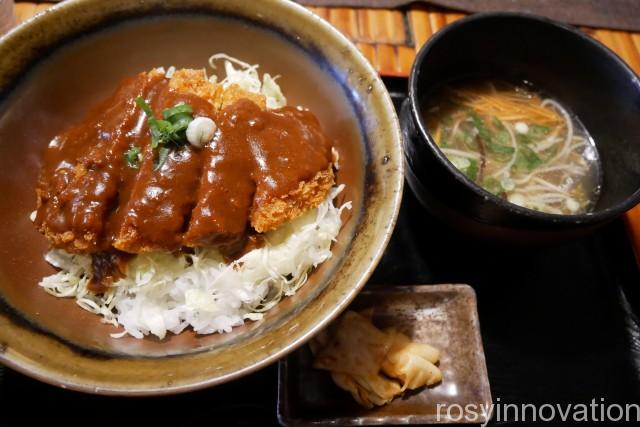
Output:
x,y
469,167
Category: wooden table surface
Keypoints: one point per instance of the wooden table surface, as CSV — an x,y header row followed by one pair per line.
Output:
x,y
391,38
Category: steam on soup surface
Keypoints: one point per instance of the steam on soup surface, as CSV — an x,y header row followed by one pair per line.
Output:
x,y
517,144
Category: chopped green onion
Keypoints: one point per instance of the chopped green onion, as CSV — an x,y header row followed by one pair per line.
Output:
x,y
469,167
485,134
163,153
526,159
492,185
477,121
180,121
537,131
145,107
472,170
171,130
500,149
523,138
133,157
161,132
178,109
502,136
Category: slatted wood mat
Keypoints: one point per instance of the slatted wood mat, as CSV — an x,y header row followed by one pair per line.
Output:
x,y
390,39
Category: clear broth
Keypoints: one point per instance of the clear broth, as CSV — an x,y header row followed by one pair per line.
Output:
x,y
516,143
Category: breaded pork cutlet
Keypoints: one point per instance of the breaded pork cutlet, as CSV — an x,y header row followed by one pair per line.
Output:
x,y
89,200
269,214
78,184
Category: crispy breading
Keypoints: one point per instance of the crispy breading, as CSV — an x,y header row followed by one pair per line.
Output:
x,y
195,82
129,240
68,240
309,194
234,93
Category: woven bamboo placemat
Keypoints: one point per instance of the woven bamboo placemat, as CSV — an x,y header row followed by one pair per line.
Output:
x,y
389,39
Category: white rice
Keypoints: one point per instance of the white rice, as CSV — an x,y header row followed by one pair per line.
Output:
x,y
163,292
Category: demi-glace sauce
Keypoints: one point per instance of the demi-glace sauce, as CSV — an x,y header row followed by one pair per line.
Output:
x,y
91,200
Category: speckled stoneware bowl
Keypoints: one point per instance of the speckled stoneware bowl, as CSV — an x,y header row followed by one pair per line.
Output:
x,y
62,62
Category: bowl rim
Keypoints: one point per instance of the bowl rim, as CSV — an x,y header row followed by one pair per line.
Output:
x,y
394,184
586,218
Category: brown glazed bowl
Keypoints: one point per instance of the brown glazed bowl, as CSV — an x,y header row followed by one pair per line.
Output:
x,y
62,62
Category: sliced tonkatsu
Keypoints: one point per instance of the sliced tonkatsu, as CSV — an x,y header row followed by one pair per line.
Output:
x,y
127,179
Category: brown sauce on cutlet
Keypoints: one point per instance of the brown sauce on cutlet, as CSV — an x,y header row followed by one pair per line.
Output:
x,y
81,171
258,155
151,214
90,200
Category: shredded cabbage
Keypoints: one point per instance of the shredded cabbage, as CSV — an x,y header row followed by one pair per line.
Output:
x,y
247,77
163,292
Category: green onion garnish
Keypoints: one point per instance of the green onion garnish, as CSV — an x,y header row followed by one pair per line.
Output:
x,y
132,156
170,130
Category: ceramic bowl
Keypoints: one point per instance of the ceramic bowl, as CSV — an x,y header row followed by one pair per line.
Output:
x,y
557,59
60,63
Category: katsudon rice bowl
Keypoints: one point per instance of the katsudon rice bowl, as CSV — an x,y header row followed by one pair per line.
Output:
x,y
205,218
193,190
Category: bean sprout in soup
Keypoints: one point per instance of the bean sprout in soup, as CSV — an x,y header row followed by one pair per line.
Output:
x,y
517,144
